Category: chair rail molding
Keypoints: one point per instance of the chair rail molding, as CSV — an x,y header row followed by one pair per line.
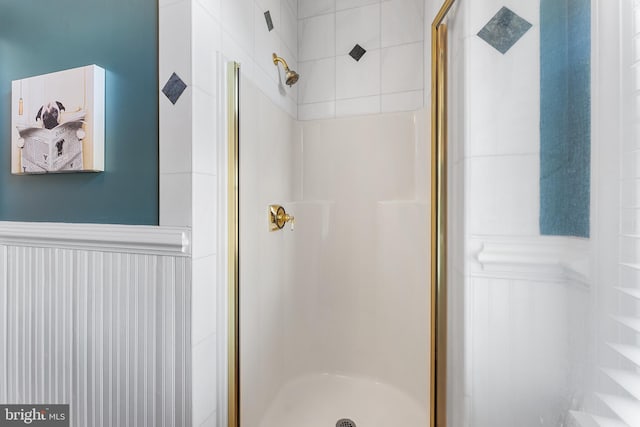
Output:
x,y
537,257
139,239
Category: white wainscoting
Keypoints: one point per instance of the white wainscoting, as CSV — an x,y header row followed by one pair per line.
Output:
x,y
98,317
527,341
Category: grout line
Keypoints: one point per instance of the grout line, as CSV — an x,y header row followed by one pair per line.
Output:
x,y
368,50
365,96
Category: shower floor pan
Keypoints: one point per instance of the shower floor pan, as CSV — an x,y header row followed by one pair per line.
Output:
x,y
322,400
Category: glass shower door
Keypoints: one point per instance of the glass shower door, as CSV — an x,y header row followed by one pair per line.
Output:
x,y
543,216
334,311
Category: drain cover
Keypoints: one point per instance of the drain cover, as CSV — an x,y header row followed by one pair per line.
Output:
x,y
345,422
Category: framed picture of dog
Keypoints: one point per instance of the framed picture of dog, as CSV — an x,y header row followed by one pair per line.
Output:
x,y
57,122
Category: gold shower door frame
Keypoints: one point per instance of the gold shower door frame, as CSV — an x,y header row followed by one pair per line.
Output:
x,y
233,254
438,379
438,362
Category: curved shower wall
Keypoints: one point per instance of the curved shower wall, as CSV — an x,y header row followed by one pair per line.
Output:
x,y
366,241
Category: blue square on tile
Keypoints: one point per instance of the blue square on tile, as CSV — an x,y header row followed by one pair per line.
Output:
x,y
504,30
174,88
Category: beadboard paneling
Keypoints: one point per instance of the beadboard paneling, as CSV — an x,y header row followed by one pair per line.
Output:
x,y
107,332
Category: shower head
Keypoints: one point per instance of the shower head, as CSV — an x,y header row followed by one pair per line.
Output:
x,y
291,77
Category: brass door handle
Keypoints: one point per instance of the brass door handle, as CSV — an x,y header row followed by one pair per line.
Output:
x,y
278,217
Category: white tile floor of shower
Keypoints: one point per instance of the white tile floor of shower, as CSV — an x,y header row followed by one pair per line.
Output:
x,y
321,400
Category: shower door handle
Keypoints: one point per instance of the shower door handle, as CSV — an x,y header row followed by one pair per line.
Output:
x,y
278,217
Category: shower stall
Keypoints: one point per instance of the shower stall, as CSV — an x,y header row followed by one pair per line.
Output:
x,y
334,304
470,262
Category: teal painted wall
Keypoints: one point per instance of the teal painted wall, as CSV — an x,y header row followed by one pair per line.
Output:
x,y
121,36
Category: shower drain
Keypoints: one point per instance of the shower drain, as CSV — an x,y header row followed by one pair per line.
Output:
x,y
345,422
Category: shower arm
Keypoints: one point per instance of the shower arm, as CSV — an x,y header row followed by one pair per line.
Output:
x,y
277,59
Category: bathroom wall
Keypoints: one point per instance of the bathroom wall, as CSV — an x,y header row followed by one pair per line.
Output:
x,y
121,37
525,297
390,76
97,316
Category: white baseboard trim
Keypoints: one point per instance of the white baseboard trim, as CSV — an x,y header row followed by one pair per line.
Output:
x,y
168,241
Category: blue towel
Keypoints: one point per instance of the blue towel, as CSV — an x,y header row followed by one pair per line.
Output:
x,y
565,117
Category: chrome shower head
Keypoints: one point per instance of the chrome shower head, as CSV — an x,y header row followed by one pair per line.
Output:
x,y
291,77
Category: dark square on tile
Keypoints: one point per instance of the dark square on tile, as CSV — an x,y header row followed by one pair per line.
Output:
x,y
357,52
267,17
173,88
504,30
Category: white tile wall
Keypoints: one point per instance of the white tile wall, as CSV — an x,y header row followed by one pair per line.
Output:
x,y
203,298
319,110
348,4
503,195
361,24
190,35
505,99
239,31
308,8
314,36
402,101
318,84
205,213
402,68
402,22
175,199
391,31
358,79
213,7
175,41
289,28
175,134
204,148
204,380
358,106
207,40
238,20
